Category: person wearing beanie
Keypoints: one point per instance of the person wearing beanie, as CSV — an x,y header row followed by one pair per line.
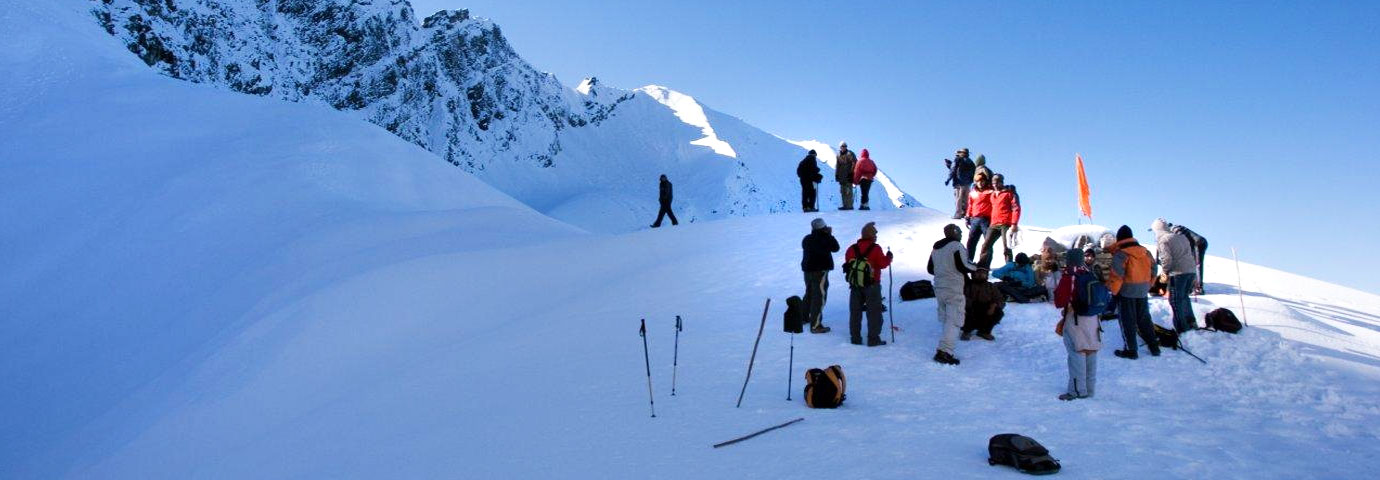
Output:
x,y
1082,333
863,174
808,171
817,260
949,264
980,167
1130,281
979,213
985,307
1018,281
868,295
665,199
961,171
843,173
1005,217
1177,260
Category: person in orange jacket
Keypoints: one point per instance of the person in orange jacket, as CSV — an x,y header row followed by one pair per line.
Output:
x,y
863,175
1006,215
868,297
1130,281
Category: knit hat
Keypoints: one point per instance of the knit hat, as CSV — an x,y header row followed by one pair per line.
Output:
x,y
864,155
869,230
1124,233
817,224
812,153
981,160
1107,241
1022,259
952,231
1159,226
1074,257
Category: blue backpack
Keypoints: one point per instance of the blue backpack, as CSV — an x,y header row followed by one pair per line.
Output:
x,y
1090,295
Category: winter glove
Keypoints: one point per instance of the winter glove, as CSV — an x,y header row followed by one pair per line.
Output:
x,y
1059,328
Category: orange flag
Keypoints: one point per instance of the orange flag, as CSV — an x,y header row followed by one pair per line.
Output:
x,y
1084,202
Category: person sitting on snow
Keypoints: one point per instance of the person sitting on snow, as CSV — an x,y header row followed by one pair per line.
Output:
x,y
985,307
1017,280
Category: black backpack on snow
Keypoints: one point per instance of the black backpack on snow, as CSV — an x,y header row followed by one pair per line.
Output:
x,y
917,290
1223,320
1167,337
1022,452
824,388
795,316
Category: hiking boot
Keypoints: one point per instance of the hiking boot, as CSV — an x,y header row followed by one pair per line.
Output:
x,y
1155,353
945,358
855,341
987,337
1068,397
864,207
1126,354
966,336
820,329
875,342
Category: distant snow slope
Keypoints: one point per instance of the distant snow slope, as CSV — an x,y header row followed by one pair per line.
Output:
x,y
454,85
147,221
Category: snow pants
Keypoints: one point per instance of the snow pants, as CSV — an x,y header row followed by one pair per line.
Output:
x,y
665,211
808,194
846,195
865,186
1082,366
1180,287
870,299
961,200
951,316
1135,316
816,293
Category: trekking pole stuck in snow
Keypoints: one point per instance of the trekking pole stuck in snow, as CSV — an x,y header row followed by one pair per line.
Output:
x,y
759,432
754,352
1239,295
890,282
790,370
642,332
675,357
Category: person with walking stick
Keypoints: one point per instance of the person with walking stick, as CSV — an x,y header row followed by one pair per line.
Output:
x,y
863,270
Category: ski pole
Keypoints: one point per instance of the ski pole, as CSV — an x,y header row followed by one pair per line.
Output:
x,y
648,359
754,353
890,283
675,357
1239,295
790,370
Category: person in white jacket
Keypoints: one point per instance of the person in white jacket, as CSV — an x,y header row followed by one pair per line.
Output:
x,y
950,266
1082,333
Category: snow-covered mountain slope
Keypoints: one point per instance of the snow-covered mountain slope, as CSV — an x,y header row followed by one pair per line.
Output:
x,y
147,220
453,85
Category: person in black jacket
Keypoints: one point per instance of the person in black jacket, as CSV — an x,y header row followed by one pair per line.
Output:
x,y
817,261
665,204
961,170
808,171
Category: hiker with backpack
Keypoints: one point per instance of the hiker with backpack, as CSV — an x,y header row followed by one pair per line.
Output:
x,y
665,199
979,213
1199,244
1130,282
863,175
1177,261
862,268
1017,280
950,266
985,307
1080,297
961,171
808,171
817,260
843,173
1006,214
1101,266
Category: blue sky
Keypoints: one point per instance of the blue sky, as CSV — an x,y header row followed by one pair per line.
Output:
x,y
1255,123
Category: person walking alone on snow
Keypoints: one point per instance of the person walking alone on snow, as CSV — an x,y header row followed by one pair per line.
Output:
x,y
949,264
843,173
817,261
665,204
808,171
863,174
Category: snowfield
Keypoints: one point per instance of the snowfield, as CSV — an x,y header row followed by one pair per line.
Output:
x,y
203,284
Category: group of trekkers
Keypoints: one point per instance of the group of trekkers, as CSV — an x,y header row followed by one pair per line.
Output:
x,y
849,170
969,304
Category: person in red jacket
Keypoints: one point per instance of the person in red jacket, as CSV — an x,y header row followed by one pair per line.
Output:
x,y
979,213
1006,214
867,296
863,174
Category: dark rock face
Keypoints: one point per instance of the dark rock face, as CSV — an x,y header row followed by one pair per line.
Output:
x,y
452,84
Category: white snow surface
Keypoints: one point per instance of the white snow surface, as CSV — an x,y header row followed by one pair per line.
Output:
x,y
201,284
